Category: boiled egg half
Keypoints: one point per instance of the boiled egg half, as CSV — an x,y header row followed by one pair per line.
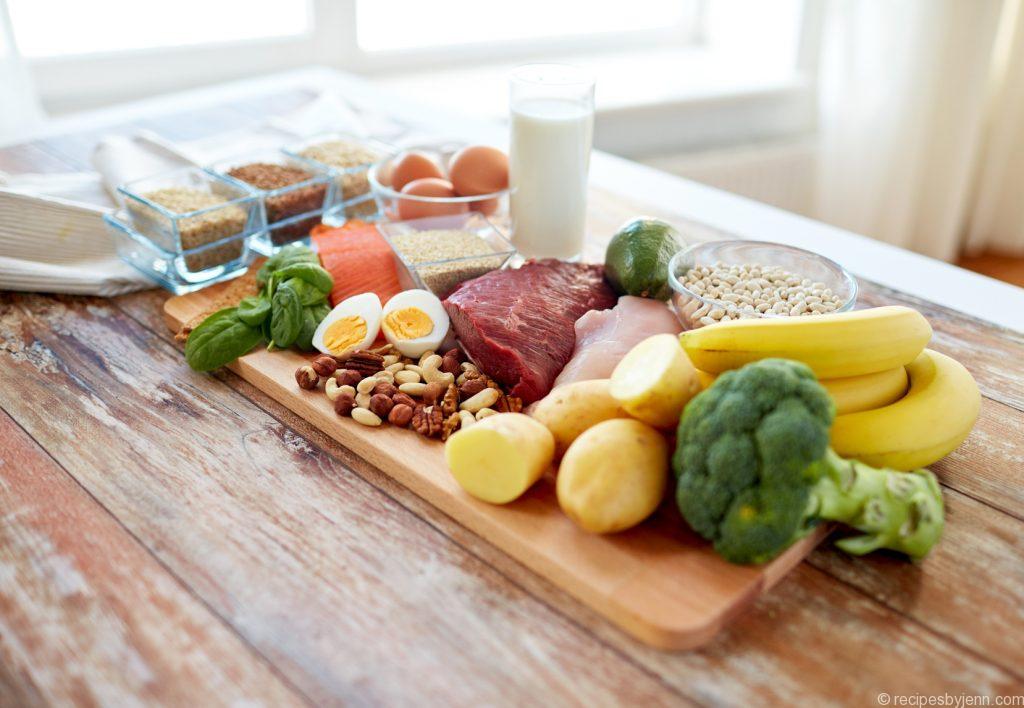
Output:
x,y
415,322
353,324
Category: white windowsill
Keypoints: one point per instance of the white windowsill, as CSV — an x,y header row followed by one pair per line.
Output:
x,y
648,102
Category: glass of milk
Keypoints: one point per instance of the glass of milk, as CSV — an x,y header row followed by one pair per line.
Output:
x,y
552,128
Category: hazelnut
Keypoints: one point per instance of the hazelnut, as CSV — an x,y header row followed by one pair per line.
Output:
x,y
451,363
472,387
348,377
403,399
324,365
385,388
306,377
400,415
381,405
344,403
433,392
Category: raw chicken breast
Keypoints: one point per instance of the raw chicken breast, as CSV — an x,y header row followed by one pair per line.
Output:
x,y
604,336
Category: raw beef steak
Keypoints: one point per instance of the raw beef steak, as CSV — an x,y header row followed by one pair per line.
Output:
x,y
517,325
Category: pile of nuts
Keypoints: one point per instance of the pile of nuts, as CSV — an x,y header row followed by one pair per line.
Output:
x,y
752,290
435,395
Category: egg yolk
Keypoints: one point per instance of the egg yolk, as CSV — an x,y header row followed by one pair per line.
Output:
x,y
409,323
345,333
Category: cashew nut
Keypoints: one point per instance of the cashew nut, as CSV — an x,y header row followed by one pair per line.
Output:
x,y
430,370
485,399
333,390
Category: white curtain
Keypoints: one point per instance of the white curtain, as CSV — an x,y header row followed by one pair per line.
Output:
x,y
922,123
19,107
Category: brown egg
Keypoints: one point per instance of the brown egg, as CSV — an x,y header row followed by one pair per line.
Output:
x,y
485,206
478,169
429,187
413,165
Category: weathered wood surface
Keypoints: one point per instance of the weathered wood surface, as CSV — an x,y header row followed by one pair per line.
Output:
x,y
308,575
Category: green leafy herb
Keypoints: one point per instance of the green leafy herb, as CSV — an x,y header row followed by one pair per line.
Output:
x,y
253,310
286,316
291,304
310,320
220,339
310,273
308,294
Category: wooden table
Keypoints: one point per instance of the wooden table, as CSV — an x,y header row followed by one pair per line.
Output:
x,y
179,538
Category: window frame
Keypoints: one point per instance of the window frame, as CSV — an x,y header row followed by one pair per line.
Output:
x,y
78,81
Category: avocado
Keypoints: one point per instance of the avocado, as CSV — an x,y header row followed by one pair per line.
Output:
x,y
636,262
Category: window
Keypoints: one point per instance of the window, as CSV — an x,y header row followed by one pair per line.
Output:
x,y
92,26
414,24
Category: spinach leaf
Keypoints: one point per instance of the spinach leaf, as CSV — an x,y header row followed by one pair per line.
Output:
x,y
308,295
310,273
220,339
310,321
253,310
296,253
286,316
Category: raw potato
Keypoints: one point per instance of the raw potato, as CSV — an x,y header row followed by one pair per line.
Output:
x,y
613,476
655,380
500,456
569,410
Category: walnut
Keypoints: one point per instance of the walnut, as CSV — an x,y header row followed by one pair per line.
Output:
x,y
419,421
428,421
450,425
515,404
450,401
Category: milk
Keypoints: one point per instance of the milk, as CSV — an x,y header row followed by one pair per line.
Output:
x,y
548,164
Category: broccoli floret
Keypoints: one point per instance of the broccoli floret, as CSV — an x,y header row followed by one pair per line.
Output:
x,y
755,472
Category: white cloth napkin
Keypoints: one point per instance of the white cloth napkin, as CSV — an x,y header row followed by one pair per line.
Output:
x,y
52,236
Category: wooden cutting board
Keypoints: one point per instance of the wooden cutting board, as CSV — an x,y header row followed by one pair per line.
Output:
x,y
659,581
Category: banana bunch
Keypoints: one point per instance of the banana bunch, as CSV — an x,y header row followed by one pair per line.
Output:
x,y
898,404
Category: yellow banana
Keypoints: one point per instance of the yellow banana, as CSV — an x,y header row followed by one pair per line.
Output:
x,y
853,393
931,420
834,346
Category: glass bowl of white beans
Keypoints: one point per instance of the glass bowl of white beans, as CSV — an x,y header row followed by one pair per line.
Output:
x,y
720,281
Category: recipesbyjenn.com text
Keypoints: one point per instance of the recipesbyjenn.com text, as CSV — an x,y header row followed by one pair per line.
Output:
x,y
956,700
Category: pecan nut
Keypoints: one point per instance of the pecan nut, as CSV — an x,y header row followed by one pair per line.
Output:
x,y
428,421
365,362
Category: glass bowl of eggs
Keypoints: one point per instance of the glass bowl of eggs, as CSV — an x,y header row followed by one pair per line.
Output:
x,y
441,180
